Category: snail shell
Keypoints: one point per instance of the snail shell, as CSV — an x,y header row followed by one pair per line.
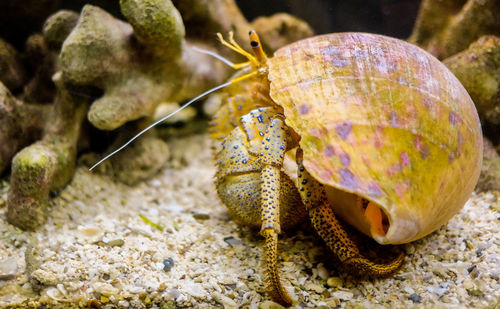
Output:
x,y
384,120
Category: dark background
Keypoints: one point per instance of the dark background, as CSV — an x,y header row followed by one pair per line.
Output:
x,y
391,17
18,19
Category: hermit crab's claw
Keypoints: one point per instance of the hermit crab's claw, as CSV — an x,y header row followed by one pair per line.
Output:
x,y
331,231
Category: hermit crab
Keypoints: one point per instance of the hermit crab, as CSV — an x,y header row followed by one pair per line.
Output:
x,y
363,126
383,134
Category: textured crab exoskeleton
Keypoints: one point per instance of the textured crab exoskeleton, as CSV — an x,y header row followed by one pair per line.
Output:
x,y
385,136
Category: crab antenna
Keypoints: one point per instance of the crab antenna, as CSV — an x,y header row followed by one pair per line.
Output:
x,y
161,120
215,55
236,80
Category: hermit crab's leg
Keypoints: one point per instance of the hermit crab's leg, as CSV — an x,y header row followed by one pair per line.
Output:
x,y
329,228
274,146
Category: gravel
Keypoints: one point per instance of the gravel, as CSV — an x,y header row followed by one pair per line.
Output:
x,y
96,248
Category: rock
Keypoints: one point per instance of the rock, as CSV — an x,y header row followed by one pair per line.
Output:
x,y
281,29
478,68
447,27
140,160
489,179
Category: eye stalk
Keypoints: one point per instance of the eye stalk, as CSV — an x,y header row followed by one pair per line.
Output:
x,y
257,47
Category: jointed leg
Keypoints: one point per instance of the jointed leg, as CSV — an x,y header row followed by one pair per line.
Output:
x,y
274,143
328,227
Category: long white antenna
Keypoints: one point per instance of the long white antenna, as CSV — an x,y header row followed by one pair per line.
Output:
x,y
161,120
215,55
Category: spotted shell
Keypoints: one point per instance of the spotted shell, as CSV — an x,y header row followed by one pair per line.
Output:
x,y
381,119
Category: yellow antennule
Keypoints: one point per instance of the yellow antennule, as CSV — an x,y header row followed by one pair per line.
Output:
x,y
234,46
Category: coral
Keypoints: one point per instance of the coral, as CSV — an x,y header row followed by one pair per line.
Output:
x,y
58,26
478,69
48,164
447,27
12,73
20,125
137,65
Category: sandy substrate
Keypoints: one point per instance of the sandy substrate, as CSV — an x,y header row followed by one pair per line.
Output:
x,y
96,248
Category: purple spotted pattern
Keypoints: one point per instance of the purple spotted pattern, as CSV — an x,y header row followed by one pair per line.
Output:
x,y
343,129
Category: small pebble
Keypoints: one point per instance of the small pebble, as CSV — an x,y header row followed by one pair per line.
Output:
x,y
322,272
311,286
334,282
201,216
415,298
230,240
494,276
174,293
342,295
116,243
436,289
475,292
135,289
268,304
8,269
162,287
105,289
168,263
470,269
